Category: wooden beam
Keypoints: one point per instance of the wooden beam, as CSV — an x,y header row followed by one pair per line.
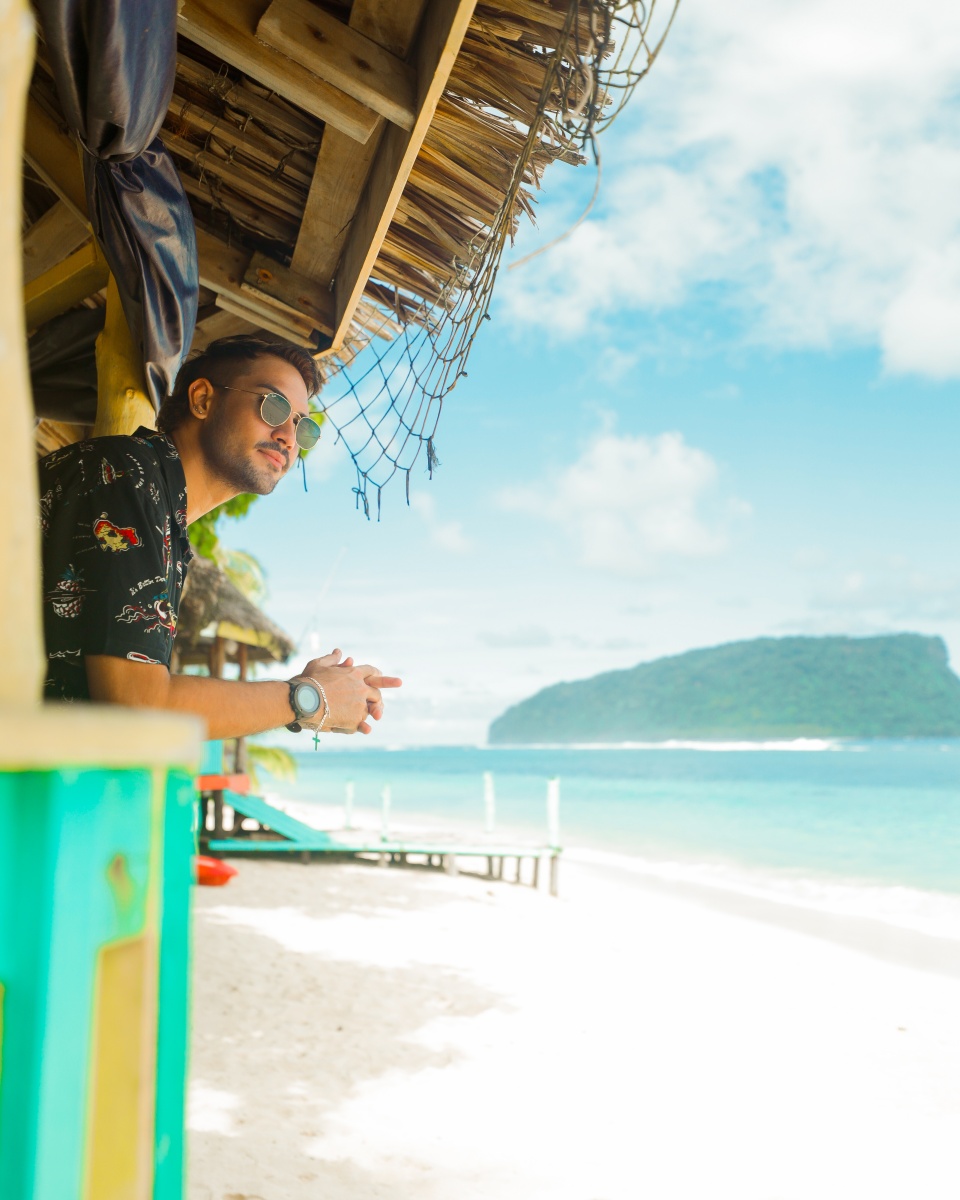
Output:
x,y
277,285
65,285
271,322
227,28
218,325
342,166
351,62
50,239
389,23
264,292
444,27
54,156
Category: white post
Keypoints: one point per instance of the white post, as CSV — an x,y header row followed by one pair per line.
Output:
x,y
385,814
489,802
553,812
348,806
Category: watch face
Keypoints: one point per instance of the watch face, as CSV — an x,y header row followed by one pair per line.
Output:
x,y
307,698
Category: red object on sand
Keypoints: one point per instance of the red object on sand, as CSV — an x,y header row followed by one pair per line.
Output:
x,y
213,872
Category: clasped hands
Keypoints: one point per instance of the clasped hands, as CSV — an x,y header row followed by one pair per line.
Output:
x,y
353,692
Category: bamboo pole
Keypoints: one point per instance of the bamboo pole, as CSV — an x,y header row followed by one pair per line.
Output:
x,y
122,402
21,631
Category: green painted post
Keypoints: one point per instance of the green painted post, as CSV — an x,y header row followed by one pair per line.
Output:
x,y
95,883
173,1035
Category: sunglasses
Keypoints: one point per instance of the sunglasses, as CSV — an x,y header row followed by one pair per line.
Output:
x,y
276,409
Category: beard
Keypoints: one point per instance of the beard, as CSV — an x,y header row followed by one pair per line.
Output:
x,y
228,460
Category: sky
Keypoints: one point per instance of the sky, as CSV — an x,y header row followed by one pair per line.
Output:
x,y
725,407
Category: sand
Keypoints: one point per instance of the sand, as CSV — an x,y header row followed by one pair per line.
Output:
x,y
378,1032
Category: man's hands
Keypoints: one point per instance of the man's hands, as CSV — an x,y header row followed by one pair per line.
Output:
x,y
353,692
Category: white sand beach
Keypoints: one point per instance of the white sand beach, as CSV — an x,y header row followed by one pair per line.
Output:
x,y
368,1032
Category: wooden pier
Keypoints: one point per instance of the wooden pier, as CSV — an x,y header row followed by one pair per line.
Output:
x,y
261,828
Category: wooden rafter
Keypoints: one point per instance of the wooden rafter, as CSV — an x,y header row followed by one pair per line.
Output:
x,y
443,29
65,285
343,57
227,28
50,239
342,166
54,156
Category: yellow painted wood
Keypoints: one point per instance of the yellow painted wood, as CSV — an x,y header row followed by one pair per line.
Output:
x,y
49,240
122,402
21,634
65,285
120,1138
53,155
95,735
227,28
343,57
443,29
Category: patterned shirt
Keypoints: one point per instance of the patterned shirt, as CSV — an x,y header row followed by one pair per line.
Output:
x,y
113,515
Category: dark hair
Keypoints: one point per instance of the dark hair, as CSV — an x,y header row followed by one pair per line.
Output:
x,y
230,352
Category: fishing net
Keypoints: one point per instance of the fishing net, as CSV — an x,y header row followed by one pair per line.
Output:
x,y
421,311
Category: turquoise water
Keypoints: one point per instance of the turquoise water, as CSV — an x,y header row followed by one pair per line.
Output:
x,y
881,814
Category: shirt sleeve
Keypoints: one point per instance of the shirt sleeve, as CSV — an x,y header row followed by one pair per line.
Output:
x,y
114,537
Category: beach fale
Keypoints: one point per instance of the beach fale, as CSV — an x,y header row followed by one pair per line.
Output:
x,y
344,176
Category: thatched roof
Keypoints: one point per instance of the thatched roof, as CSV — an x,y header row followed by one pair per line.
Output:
x,y
321,196
212,607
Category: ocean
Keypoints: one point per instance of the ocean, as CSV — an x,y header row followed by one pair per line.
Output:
x,y
860,828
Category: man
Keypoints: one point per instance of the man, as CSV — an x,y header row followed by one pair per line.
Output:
x,y
114,513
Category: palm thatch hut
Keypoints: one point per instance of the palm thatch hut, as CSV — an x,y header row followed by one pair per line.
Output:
x,y
218,625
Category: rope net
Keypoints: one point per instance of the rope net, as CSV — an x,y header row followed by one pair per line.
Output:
x,y
416,324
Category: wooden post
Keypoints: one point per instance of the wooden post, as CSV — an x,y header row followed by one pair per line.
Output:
x,y
215,661
536,872
553,813
348,805
122,402
21,630
240,746
489,802
554,874
385,797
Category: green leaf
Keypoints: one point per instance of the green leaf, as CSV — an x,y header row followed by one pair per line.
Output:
x,y
274,760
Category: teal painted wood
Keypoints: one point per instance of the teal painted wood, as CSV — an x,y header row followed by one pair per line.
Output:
x,y
259,810
59,833
173,1038
212,761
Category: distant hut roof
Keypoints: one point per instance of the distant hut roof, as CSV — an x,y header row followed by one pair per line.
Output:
x,y
213,607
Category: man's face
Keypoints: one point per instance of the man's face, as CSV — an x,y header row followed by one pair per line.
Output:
x,y
238,445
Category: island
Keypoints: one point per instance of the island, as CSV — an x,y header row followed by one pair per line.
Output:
x,y
896,686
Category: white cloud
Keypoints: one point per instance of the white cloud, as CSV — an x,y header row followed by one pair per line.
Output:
x,y
629,502
448,535
804,155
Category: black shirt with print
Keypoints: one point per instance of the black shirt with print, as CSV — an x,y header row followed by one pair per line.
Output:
x,y
113,516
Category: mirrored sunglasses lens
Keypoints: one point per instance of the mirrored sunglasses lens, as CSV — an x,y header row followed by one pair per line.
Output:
x,y
275,408
308,433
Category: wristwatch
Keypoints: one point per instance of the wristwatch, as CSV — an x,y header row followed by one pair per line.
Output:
x,y
305,700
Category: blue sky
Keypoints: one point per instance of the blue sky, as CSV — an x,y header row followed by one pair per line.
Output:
x,y
725,407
